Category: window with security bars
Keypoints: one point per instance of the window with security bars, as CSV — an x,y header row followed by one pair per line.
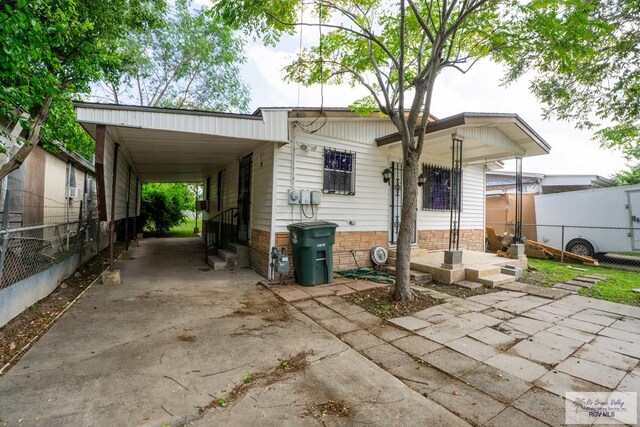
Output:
x,y
436,191
339,172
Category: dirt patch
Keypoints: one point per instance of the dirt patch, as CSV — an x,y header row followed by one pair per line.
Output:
x,y
459,291
187,338
380,302
34,321
283,370
320,411
271,310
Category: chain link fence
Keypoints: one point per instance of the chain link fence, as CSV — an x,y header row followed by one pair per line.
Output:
x,y
26,251
610,245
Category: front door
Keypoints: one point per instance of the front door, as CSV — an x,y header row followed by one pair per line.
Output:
x,y
395,204
244,199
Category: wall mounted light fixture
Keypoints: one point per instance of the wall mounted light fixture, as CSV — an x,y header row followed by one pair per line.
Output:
x,y
421,180
386,175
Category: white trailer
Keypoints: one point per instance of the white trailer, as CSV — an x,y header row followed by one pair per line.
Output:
x,y
590,222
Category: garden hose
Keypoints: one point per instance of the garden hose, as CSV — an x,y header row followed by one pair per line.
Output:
x,y
368,274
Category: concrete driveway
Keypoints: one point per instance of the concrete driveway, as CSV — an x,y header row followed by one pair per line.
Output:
x,y
176,336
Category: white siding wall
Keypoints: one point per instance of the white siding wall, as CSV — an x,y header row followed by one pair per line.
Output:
x,y
261,187
369,207
57,208
122,179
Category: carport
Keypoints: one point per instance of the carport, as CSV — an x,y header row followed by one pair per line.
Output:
x,y
147,144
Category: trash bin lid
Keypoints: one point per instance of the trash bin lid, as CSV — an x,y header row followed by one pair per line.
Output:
x,y
311,225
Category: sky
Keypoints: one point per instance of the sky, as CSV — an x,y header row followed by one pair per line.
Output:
x,y
479,90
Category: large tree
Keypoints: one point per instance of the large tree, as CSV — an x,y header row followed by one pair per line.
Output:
x,y
192,60
54,48
586,60
395,49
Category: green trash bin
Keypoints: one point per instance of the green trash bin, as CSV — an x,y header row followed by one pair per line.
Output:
x,y
312,247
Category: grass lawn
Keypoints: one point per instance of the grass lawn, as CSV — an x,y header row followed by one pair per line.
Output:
x,y
183,230
617,288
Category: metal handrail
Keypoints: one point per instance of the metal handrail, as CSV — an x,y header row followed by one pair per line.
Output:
x,y
221,229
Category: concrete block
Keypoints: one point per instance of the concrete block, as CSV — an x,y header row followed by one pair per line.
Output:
x,y
517,366
493,338
451,362
472,348
606,357
134,244
387,356
512,417
504,387
410,323
548,407
512,271
360,340
593,372
471,404
139,236
468,284
111,277
559,383
126,255
423,379
453,257
416,345
516,251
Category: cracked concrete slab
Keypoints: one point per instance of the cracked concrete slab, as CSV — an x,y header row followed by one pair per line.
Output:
x,y
172,338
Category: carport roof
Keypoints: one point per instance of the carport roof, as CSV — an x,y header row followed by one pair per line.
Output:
x,y
170,145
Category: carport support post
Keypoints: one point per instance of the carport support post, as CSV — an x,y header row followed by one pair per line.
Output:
x,y
126,224
516,251
113,204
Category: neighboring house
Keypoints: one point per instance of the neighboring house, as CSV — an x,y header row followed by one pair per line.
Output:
x,y
49,187
351,166
501,190
45,243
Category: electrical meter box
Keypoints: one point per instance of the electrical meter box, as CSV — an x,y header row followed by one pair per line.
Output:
x,y
305,197
316,197
294,197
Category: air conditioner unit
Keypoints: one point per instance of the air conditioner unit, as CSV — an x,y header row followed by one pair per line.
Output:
x,y
202,205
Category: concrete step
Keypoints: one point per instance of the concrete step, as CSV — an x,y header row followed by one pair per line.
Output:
x,y
474,274
229,257
496,279
238,248
467,284
216,263
512,271
241,253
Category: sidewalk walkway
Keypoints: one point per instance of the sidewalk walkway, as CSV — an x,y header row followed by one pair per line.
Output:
x,y
499,359
176,336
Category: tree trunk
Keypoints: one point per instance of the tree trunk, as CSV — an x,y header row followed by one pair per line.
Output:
x,y
32,141
402,290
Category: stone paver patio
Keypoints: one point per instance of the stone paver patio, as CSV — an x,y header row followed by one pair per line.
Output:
x,y
498,359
